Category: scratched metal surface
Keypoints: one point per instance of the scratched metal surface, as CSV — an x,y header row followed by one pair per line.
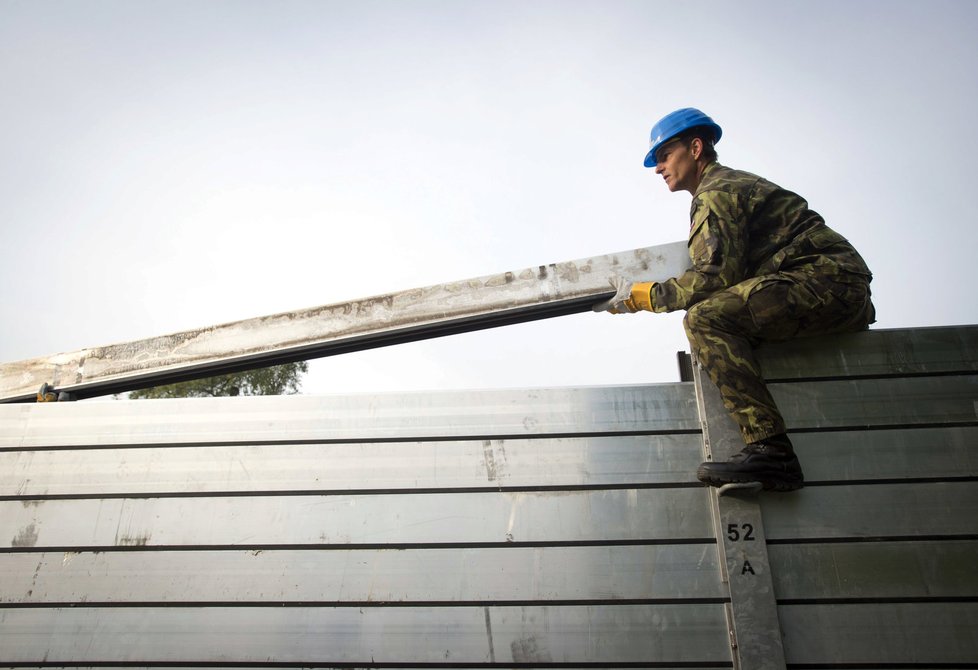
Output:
x,y
491,517
500,299
374,574
485,414
887,352
878,402
932,452
501,635
876,570
910,634
873,511
474,414
873,562
367,576
347,541
345,466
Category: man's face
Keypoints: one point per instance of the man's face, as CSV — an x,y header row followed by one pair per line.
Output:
x,y
674,161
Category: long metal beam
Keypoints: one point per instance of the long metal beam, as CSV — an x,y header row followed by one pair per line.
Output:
x,y
541,292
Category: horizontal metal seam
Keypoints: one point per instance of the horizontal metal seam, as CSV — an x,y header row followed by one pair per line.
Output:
x,y
401,546
570,665
882,426
474,438
869,600
376,604
350,492
923,665
961,372
874,539
893,480
360,440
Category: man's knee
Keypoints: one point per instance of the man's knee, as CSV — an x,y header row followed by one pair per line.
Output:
x,y
769,307
691,322
721,312
698,321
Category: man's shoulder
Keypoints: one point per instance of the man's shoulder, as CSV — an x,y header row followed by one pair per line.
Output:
x,y
722,178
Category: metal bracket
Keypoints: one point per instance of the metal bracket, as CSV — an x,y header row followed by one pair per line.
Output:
x,y
740,488
752,614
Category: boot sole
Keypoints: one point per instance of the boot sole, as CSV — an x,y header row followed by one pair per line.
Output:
x,y
770,481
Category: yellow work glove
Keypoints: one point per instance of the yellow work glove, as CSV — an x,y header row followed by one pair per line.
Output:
x,y
628,299
640,297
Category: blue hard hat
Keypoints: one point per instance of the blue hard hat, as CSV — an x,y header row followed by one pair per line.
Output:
x,y
672,124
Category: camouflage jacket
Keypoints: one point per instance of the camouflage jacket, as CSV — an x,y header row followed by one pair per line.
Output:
x,y
743,226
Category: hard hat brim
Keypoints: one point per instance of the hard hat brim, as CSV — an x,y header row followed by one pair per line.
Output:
x,y
676,123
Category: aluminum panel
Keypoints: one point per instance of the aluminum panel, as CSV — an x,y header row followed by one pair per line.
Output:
x,y
620,514
538,462
872,511
486,574
899,633
876,352
444,414
875,570
878,402
685,634
840,456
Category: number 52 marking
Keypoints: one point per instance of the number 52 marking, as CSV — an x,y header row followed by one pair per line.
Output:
x,y
738,532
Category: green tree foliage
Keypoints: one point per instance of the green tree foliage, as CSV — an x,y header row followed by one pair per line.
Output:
x,y
275,380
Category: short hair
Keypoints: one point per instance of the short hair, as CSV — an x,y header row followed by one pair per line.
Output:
x,y
705,135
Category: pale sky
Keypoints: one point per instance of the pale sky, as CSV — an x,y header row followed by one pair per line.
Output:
x,y
169,165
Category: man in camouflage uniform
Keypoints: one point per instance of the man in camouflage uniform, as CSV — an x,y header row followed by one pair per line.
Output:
x,y
764,267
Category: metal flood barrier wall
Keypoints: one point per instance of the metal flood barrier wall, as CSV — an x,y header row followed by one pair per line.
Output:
x,y
504,528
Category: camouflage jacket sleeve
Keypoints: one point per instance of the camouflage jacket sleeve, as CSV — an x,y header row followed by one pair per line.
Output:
x,y
718,250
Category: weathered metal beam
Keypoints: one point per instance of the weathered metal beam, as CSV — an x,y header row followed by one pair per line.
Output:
x,y
502,299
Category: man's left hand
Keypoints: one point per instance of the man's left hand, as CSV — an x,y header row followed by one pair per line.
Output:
x,y
628,299
617,303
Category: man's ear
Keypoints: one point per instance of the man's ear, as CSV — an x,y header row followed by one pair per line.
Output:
x,y
696,147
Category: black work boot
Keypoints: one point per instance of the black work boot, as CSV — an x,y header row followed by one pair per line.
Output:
x,y
771,461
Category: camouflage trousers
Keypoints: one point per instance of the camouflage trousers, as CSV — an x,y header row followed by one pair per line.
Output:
x,y
724,328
